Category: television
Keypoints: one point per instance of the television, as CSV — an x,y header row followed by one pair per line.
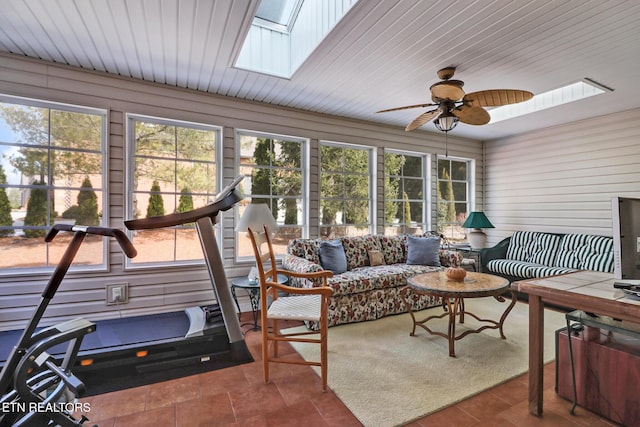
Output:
x,y
625,213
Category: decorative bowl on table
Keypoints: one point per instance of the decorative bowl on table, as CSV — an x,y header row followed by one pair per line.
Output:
x,y
457,274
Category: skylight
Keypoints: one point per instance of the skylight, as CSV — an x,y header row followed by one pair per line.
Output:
x,y
285,32
277,11
564,95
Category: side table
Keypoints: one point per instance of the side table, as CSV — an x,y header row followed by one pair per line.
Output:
x,y
253,291
471,257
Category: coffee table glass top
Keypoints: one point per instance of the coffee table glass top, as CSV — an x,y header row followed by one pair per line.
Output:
x,y
473,285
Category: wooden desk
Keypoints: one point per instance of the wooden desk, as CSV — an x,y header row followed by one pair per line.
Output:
x,y
589,291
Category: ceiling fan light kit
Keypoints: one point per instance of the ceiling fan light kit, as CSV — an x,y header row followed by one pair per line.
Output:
x,y
454,105
446,121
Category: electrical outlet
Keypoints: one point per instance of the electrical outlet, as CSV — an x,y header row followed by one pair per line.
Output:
x,y
117,293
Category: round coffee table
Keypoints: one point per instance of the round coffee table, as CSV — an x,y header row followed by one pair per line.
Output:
x,y
453,293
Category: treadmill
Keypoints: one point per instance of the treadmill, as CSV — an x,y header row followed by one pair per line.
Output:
x,y
138,350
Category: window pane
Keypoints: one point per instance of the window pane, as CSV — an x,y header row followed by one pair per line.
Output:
x,y
356,160
459,191
331,185
331,158
76,130
416,212
196,177
24,125
412,166
404,196
458,171
274,175
155,140
287,154
453,203
444,169
50,172
196,144
175,171
356,187
344,190
413,188
393,163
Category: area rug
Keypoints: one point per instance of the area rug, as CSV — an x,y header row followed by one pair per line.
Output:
x,y
388,378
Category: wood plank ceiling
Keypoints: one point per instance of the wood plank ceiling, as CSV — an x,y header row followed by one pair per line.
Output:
x,y
383,54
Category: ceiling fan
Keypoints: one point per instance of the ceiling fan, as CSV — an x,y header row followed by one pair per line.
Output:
x,y
454,105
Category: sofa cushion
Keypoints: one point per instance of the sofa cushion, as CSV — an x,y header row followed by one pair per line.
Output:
x,y
393,248
586,252
533,247
332,256
364,279
357,250
304,248
510,267
544,271
423,251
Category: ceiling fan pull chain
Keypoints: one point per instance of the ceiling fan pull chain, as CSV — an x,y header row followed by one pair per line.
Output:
x,y
446,143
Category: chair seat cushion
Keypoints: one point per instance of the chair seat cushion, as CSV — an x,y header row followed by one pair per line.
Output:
x,y
302,307
524,269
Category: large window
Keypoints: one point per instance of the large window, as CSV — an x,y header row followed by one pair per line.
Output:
x,y
273,166
454,196
346,198
173,167
406,204
52,170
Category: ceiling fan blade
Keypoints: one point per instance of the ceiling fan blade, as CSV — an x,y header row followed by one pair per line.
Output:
x,y
406,108
496,97
472,115
448,90
422,119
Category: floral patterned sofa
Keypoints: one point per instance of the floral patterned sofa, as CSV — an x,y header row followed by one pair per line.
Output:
x,y
365,292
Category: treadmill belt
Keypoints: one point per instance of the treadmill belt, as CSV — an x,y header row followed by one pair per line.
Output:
x,y
136,330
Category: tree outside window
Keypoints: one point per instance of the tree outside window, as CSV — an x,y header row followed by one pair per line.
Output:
x,y
453,197
173,168
405,203
345,190
48,154
273,169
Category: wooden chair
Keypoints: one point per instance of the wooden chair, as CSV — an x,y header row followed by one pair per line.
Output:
x,y
299,304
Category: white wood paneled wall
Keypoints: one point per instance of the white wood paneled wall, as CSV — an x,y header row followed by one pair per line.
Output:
x,y
561,179
158,290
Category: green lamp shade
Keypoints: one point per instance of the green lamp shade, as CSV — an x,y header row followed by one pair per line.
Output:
x,y
477,220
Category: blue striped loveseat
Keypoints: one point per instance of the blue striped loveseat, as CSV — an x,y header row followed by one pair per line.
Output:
x,y
530,254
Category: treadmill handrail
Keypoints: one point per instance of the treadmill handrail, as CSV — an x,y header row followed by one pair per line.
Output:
x,y
172,220
119,235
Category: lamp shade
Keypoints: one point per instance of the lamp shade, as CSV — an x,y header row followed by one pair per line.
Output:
x,y
477,220
255,216
446,121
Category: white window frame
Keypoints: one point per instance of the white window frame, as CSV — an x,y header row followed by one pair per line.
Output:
x,y
470,180
372,155
426,185
304,165
129,172
39,103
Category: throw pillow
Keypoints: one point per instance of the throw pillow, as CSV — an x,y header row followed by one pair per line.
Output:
x,y
332,256
375,258
423,251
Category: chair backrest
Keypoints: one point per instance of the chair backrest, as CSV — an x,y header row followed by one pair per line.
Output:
x,y
265,258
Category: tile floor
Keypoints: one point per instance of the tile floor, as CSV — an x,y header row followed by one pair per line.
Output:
x,y
237,396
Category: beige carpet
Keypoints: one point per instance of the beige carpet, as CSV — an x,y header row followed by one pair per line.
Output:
x,y
388,378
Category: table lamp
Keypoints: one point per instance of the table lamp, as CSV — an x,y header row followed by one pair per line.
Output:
x,y
477,221
255,217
